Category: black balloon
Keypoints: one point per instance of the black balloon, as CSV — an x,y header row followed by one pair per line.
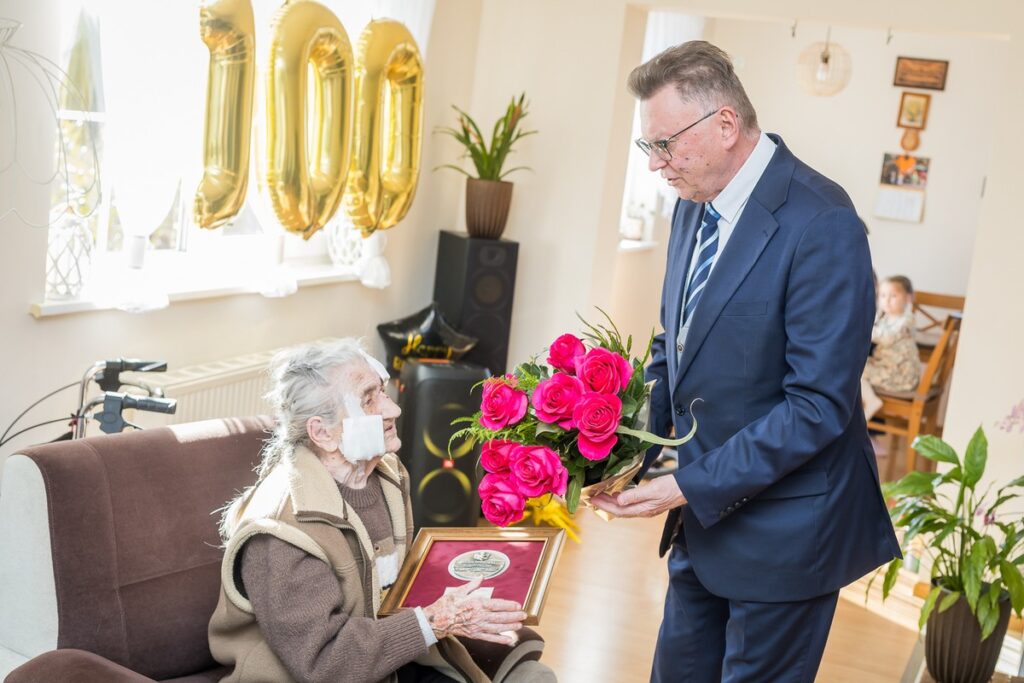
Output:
x,y
425,334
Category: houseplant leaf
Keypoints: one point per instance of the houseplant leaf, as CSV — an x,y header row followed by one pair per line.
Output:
x,y
974,458
914,484
934,448
891,574
1014,584
929,605
949,600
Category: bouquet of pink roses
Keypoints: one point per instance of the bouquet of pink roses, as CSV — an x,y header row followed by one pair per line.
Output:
x,y
572,428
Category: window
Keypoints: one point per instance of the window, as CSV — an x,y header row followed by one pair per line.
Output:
x,y
140,68
646,197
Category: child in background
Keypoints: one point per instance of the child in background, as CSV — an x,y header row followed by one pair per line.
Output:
x,y
894,364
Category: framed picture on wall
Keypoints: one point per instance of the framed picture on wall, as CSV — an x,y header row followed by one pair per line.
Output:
x,y
905,170
913,110
929,74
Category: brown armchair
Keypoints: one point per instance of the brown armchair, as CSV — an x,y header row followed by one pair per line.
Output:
x,y
109,552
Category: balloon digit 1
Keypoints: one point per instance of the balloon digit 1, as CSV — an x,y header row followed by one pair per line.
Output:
x,y
227,28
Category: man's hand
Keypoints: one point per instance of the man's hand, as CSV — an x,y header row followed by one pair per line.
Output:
x,y
646,500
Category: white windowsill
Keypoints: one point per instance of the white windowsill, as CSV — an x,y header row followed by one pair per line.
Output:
x,y
306,273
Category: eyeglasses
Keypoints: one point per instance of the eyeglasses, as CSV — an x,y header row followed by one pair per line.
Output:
x,y
660,147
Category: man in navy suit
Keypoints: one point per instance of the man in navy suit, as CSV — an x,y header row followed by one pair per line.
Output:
x,y
767,309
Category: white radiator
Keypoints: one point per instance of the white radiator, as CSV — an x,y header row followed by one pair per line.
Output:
x,y
233,387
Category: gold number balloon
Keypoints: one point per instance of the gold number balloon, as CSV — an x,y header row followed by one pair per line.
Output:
x,y
227,28
388,127
306,182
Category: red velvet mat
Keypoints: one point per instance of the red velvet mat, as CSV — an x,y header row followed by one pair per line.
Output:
x,y
513,584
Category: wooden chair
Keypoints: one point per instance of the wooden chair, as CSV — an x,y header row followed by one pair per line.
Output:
x,y
930,310
909,413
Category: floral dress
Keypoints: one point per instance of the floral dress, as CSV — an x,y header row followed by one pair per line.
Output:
x,y
894,365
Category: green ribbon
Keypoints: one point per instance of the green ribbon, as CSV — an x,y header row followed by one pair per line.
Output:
x,y
651,438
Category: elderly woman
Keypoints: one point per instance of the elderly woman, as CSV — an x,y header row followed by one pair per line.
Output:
x,y
311,548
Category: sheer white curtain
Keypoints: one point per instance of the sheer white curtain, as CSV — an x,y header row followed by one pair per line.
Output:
x,y
645,192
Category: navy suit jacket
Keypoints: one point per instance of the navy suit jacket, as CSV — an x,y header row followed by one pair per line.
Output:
x,y
783,498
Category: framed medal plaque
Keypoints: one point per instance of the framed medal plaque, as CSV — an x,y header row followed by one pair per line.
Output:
x,y
514,564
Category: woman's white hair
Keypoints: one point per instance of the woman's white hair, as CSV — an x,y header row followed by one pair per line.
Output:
x,y
303,385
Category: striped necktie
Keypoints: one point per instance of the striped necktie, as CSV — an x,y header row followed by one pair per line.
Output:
x,y
707,249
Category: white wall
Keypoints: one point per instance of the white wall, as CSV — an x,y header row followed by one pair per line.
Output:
x,y
40,355
566,56
989,376
845,136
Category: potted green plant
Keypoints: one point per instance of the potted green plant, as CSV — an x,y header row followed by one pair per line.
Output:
x,y
488,196
976,553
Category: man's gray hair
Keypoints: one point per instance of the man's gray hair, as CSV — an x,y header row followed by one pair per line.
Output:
x,y
701,73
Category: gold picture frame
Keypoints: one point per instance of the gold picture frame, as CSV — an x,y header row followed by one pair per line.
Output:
x,y
913,110
929,74
527,584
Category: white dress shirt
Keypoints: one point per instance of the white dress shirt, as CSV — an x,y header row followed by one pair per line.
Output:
x,y
730,203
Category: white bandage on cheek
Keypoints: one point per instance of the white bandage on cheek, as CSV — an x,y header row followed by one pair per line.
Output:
x,y
362,435
377,366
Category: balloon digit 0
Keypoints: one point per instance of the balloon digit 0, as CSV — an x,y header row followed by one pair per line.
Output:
x,y
305,193
388,127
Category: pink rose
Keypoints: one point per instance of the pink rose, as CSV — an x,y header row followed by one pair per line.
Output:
x,y
494,457
564,351
604,371
502,404
554,399
538,470
597,416
501,501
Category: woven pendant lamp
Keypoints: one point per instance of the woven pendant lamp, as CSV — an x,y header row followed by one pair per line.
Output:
x,y
824,68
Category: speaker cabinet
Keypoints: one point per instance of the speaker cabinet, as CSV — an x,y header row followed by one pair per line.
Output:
x,y
431,395
473,286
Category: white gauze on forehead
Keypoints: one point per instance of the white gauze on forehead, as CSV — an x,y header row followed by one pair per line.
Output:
x,y
377,366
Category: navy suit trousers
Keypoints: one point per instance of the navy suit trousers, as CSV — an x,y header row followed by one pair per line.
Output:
x,y
705,638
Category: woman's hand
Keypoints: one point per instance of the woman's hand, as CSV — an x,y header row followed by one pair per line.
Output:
x,y
460,614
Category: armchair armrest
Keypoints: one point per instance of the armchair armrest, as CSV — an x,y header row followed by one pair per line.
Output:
x,y
73,666
502,663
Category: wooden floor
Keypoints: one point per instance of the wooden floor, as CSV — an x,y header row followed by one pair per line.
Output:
x,y
604,608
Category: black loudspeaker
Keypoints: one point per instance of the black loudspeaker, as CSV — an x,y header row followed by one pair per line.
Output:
x,y
473,286
431,395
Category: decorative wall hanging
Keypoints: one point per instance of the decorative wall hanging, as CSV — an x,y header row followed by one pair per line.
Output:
x,y
824,69
901,189
929,74
75,176
912,117
913,110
